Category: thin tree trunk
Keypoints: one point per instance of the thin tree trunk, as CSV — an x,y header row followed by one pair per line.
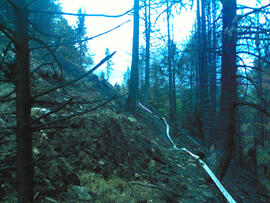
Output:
x,y
259,134
172,111
204,100
25,172
133,84
173,83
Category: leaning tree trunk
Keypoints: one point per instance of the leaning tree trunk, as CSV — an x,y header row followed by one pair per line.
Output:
x,y
221,153
25,172
133,84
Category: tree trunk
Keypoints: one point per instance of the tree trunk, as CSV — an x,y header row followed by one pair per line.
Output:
x,y
133,84
222,151
201,68
147,51
259,134
212,79
25,172
203,71
172,110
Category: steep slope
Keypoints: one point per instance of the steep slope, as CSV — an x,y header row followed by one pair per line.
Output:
x,y
95,152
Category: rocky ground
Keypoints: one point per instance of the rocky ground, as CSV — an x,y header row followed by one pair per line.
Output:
x,y
107,155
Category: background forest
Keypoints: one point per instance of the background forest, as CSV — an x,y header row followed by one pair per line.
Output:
x,y
213,87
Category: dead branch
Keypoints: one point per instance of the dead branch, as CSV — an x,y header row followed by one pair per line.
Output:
x,y
42,65
9,94
256,88
11,3
52,53
146,185
41,32
75,80
9,34
5,53
80,14
51,112
47,125
7,100
255,10
65,152
79,41
255,106
71,103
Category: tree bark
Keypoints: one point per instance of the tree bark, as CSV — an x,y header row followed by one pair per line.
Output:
x,y
213,78
201,38
203,71
25,172
133,84
147,51
172,106
259,133
222,151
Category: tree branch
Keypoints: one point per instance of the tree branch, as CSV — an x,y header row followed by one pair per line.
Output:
x,y
41,32
9,94
75,80
256,88
5,30
5,52
11,3
42,65
80,14
79,41
255,106
51,112
47,125
255,10
51,52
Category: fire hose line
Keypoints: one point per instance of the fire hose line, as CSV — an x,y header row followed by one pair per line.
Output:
x,y
202,163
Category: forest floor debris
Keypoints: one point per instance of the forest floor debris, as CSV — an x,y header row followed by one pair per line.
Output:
x,y
107,155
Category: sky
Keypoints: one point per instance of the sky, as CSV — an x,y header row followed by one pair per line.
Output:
x,y
119,40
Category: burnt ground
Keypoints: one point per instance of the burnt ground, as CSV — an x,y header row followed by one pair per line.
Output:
x,y
107,155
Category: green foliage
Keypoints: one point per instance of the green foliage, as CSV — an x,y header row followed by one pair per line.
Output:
x,y
80,35
109,64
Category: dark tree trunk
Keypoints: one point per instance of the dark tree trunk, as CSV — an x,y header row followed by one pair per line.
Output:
x,y
259,129
201,45
203,71
133,84
172,105
222,151
213,78
25,185
198,36
147,51
173,83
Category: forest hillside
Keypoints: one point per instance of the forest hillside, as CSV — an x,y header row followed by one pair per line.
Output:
x,y
189,123
107,155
